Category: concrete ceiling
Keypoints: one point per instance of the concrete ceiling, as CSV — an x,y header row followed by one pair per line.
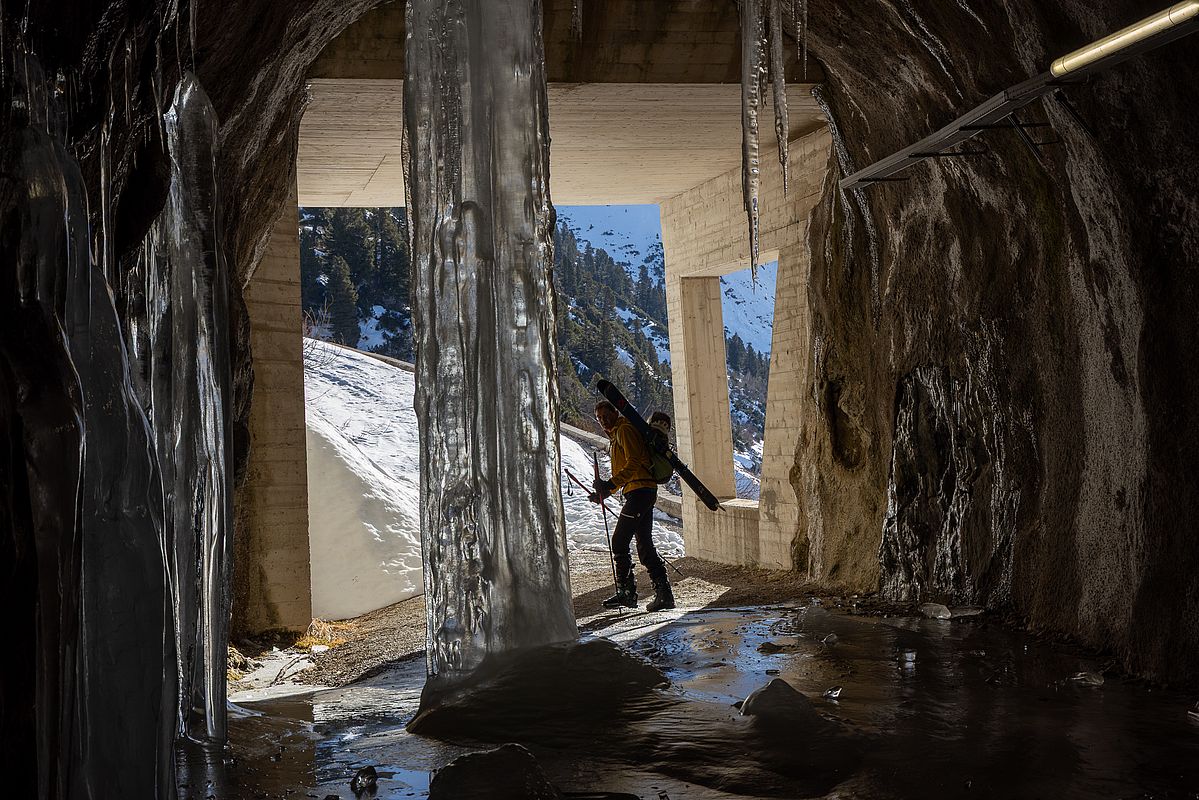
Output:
x,y
610,142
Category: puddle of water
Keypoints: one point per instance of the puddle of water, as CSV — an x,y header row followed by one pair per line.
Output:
x,y
951,707
928,708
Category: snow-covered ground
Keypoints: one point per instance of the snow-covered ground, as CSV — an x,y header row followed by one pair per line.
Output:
x,y
363,482
363,485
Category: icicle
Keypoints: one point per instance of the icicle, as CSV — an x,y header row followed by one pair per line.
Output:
x,y
762,55
128,88
778,77
103,664
752,65
804,38
576,19
199,402
476,155
102,254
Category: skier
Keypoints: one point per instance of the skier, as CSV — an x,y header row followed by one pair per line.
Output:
x,y
631,463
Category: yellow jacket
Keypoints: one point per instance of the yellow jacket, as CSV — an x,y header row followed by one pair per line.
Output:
x,y
630,458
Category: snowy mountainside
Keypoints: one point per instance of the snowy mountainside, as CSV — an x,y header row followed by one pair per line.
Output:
x,y
657,335
630,234
748,309
364,493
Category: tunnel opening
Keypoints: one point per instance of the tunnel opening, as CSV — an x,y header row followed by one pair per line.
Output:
x,y
1025,328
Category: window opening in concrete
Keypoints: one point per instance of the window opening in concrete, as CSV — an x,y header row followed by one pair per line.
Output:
x,y
360,426
610,277
747,307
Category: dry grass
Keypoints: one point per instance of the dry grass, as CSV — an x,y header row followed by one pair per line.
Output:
x,y
330,634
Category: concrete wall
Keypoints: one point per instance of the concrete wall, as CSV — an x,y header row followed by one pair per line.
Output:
x,y
272,577
704,234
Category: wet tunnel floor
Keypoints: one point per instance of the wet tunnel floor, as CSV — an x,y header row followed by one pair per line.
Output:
x,y
931,708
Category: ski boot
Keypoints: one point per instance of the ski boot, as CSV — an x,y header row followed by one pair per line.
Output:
x,y
626,594
663,596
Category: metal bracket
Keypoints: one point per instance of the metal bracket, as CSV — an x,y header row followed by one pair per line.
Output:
x,y
948,154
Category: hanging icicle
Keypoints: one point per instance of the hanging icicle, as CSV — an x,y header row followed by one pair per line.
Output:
x,y
803,38
761,55
778,77
752,46
576,19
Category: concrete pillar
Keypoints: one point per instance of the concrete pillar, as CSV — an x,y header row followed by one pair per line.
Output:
x,y
787,401
271,569
702,425
701,384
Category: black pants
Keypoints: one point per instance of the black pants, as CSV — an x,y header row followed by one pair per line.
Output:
x,y
637,522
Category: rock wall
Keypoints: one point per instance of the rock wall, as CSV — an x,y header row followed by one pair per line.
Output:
x,y
1002,342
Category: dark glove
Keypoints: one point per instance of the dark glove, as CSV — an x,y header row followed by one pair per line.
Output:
x,y
595,498
604,488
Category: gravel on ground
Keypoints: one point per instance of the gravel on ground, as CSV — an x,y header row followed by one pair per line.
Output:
x,y
377,640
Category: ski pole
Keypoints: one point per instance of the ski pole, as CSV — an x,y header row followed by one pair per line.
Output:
x,y
607,533
607,511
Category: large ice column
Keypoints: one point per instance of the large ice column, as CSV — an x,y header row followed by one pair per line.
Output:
x,y
181,346
477,156
101,551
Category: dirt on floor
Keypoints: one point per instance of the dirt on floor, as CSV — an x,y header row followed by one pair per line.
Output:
x,y
371,643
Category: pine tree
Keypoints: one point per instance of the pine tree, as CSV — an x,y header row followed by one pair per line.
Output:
x,y
351,238
645,290
313,268
391,256
735,353
343,303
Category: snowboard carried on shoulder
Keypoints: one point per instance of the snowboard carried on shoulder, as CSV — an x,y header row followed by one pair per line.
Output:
x,y
613,396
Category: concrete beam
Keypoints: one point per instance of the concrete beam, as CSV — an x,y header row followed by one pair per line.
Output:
x,y
612,143
621,41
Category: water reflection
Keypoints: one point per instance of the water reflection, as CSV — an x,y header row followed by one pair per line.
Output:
x,y
927,708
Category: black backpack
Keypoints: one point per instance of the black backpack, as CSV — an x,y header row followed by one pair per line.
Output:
x,y
658,444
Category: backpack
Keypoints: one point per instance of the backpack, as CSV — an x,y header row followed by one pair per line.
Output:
x,y
658,444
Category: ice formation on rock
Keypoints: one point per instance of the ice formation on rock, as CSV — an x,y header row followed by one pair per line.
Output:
x,y
180,345
476,150
101,405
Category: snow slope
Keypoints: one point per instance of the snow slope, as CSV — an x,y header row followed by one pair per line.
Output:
x,y
363,483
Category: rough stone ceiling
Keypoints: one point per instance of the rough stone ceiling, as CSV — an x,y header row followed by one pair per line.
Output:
x,y
610,143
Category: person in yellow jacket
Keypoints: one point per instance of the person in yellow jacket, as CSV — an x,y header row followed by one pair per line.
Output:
x,y
631,474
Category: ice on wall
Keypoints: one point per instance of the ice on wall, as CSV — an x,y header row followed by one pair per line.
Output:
x,y
364,492
98,402
476,152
